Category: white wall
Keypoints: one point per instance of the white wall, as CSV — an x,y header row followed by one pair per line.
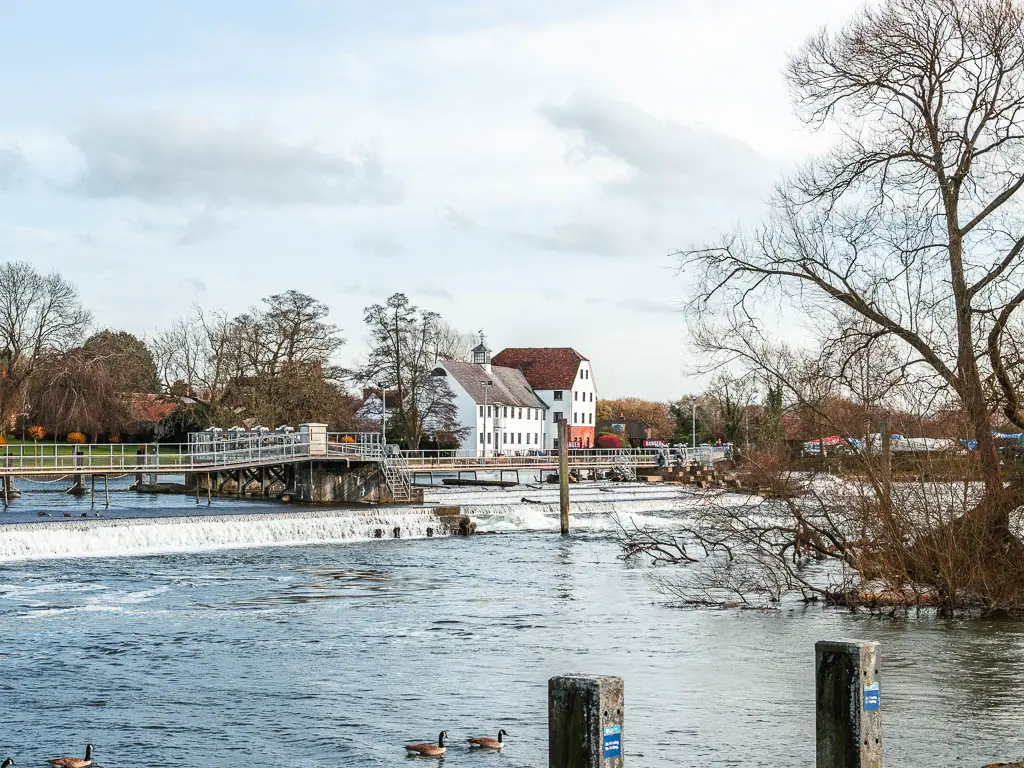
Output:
x,y
578,405
505,429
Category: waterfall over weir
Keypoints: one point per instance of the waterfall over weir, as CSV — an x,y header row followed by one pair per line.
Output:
x,y
147,536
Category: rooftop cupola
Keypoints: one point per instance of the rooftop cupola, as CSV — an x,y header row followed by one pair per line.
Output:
x,y
482,355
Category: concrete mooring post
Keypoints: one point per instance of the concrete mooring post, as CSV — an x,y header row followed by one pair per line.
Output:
x,y
563,474
848,704
585,721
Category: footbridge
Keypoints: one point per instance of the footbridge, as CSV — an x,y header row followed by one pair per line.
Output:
x,y
298,462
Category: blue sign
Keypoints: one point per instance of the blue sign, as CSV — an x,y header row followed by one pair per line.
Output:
x,y
870,697
613,741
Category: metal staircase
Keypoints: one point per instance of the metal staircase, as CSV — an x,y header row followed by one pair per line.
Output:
x,y
625,464
396,475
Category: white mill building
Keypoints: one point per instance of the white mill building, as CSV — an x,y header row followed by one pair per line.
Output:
x,y
503,413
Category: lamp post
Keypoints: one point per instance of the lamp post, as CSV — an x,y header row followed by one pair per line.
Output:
x,y
693,419
383,416
486,384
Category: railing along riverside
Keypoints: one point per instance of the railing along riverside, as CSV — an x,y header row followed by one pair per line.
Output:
x,y
168,458
268,448
581,458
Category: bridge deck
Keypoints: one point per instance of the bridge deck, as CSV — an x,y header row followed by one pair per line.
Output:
x,y
62,459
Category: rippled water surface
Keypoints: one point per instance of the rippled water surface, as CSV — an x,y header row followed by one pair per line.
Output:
x,y
335,654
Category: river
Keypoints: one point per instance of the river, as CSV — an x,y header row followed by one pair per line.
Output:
x,y
334,653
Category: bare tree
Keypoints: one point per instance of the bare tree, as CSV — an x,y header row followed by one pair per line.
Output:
x,y
272,364
911,223
192,356
406,344
39,315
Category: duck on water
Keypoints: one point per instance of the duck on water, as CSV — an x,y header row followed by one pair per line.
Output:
x,y
429,750
73,762
486,742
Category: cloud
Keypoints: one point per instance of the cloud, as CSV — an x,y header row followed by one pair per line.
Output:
x,y
456,218
648,306
587,236
662,158
378,244
14,168
435,292
45,234
168,159
202,227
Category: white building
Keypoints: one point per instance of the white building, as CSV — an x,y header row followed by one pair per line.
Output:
x,y
497,404
563,379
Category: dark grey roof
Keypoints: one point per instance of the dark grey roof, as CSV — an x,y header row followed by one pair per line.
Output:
x,y
508,385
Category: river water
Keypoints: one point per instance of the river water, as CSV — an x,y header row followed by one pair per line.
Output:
x,y
337,649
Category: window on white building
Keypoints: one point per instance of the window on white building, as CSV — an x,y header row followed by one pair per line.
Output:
x,y
519,440
489,410
555,416
536,438
558,394
520,413
481,438
504,438
488,438
575,395
481,411
591,418
504,411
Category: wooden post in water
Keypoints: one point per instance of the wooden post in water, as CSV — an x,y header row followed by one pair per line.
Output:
x,y
585,718
106,491
563,474
847,707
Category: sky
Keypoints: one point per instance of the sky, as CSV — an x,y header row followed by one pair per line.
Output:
x,y
523,168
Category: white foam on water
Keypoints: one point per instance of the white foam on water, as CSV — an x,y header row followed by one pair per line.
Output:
x,y
147,536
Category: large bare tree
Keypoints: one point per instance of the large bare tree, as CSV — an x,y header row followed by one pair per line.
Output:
x,y
912,221
902,249
39,315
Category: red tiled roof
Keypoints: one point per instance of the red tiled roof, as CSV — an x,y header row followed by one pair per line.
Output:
x,y
544,367
149,408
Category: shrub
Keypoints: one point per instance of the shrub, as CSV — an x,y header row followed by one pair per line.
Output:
x,y
3,440
76,438
36,432
115,439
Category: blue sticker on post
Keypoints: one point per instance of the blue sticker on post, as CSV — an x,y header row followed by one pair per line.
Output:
x,y
871,698
612,741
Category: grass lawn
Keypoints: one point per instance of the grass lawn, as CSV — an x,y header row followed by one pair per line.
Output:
x,y
49,454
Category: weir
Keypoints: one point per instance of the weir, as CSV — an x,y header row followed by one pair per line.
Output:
x,y
150,536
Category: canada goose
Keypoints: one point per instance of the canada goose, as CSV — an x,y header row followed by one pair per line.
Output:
x,y
429,750
74,762
7,763
486,742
